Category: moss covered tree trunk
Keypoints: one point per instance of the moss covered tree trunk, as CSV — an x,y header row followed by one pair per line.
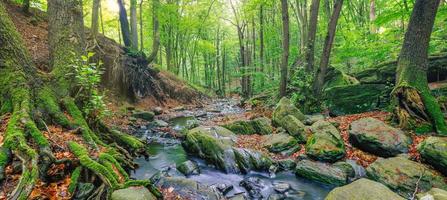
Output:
x,y
34,99
417,108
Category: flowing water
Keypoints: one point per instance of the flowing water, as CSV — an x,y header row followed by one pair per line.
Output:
x,y
167,152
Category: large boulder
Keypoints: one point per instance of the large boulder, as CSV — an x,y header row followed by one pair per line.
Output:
x,y
214,144
433,150
259,125
322,172
433,194
279,142
363,189
403,176
134,193
188,189
326,143
376,137
146,115
295,128
284,108
358,98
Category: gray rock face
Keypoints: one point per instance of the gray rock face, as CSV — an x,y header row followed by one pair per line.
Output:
x,y
295,128
189,168
401,175
363,189
326,143
433,150
374,136
322,172
134,193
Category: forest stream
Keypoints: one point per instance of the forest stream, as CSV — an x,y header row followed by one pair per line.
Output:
x,y
166,152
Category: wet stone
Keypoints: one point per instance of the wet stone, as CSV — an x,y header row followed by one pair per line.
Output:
x,y
254,186
281,187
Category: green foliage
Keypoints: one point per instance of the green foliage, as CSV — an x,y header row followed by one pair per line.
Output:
x,y
88,77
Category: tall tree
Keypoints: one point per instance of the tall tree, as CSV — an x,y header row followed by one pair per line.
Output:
x,y
95,18
285,47
133,25
416,107
372,15
156,32
124,24
311,34
328,42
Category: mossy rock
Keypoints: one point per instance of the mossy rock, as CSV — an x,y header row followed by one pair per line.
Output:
x,y
243,127
279,142
134,193
189,168
363,189
402,175
284,108
295,128
248,160
262,125
352,99
259,125
433,194
376,137
433,150
335,77
326,143
146,115
189,189
321,172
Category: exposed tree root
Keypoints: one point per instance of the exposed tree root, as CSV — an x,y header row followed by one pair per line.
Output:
x,y
416,110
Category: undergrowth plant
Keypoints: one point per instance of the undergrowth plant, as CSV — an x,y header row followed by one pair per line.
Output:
x,y
88,79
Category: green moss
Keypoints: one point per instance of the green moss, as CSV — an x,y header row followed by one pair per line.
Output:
x,y
127,140
146,183
107,158
106,174
241,127
6,107
47,100
75,175
206,147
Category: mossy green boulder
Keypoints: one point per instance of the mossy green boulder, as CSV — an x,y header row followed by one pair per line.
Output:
x,y
335,77
146,115
134,193
433,194
215,145
322,172
284,108
363,189
326,143
358,98
376,137
402,175
433,150
246,127
279,142
295,128
189,168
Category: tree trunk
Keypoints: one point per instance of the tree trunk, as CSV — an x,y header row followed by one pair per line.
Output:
x,y
311,34
416,107
285,46
261,45
372,15
133,25
332,27
141,27
124,23
95,18
156,32
25,6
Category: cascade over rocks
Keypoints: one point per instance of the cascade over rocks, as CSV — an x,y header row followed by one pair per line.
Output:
x,y
402,175
374,136
363,189
326,143
433,150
